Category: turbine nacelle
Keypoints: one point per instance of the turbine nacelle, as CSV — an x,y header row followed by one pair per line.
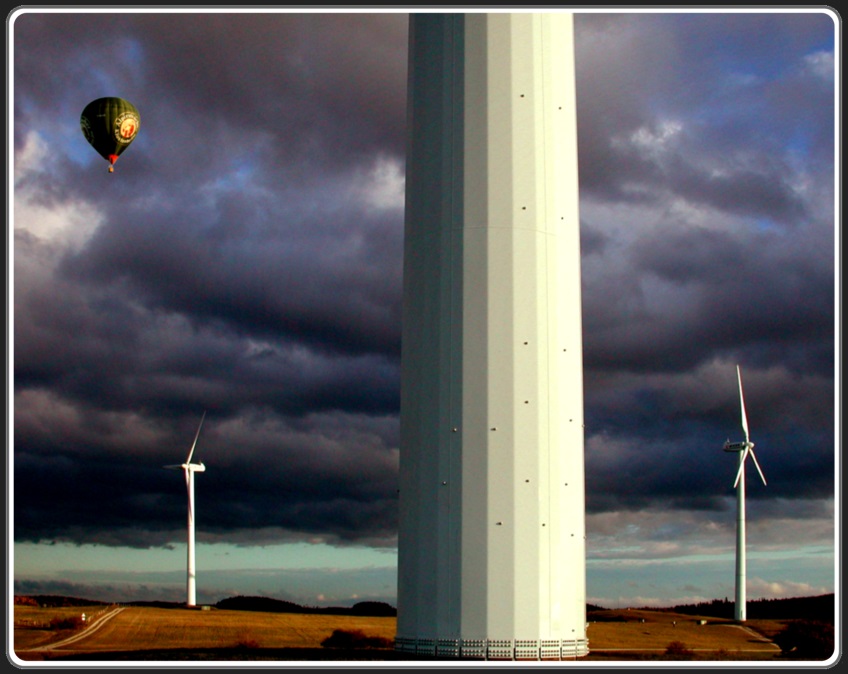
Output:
x,y
193,467
737,446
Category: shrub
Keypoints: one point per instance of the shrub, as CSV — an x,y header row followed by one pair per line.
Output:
x,y
245,641
806,640
70,623
354,639
246,644
678,649
373,608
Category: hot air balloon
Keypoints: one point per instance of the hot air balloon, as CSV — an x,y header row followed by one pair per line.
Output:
x,y
110,125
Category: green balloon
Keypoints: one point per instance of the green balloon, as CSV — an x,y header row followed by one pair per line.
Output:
x,y
110,125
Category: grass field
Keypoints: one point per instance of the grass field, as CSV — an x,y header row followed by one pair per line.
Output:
x,y
151,628
146,633
641,633
161,629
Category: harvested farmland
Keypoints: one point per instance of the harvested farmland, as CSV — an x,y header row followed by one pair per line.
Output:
x,y
159,629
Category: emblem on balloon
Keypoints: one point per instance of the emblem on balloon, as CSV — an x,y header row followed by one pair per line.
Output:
x,y
126,128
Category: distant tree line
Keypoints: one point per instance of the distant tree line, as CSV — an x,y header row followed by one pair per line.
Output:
x,y
269,605
820,608
239,603
54,600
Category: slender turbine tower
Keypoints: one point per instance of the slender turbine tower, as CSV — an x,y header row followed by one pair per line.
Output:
x,y
744,449
491,549
189,469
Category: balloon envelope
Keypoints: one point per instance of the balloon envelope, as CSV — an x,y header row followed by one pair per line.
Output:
x,y
110,124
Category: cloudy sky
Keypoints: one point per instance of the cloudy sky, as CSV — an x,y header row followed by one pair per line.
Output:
x,y
244,259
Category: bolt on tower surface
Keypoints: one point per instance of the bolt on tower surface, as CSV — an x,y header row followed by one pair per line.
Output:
x,y
492,501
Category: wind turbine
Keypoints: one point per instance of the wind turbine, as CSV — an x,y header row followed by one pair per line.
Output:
x,y
744,449
189,469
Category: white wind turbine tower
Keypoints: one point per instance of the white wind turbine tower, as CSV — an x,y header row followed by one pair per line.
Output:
x,y
744,449
189,469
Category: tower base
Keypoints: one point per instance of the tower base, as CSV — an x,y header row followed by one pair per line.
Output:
x,y
495,649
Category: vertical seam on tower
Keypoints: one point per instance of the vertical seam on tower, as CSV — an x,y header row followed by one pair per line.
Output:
x,y
546,239
450,269
457,29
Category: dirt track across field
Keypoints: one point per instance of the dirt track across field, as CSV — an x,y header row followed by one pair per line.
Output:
x,y
90,629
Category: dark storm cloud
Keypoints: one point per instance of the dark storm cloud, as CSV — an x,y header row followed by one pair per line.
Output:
x,y
762,296
248,327
245,259
328,276
752,90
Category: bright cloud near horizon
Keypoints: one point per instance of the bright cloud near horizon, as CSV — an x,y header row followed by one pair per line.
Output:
x,y
245,259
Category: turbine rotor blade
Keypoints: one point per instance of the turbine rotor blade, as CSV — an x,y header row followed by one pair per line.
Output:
x,y
742,404
197,435
757,464
741,466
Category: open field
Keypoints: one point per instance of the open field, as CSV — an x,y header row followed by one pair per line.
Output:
x,y
159,629
634,634
147,633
